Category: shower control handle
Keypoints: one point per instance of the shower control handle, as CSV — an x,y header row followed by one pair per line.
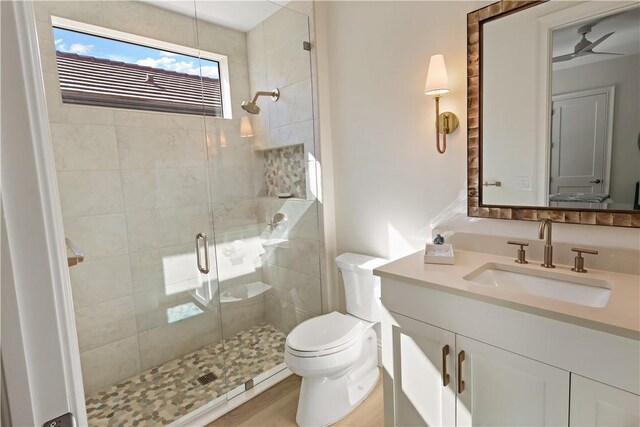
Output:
x,y
202,237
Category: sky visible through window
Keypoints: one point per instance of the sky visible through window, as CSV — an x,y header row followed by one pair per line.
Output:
x,y
100,47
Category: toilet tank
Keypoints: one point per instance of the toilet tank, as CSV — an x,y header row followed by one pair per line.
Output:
x,y
361,287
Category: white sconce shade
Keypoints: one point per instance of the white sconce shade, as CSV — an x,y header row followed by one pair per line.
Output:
x,y
246,130
437,79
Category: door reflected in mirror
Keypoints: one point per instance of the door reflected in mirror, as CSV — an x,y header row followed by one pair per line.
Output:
x,y
560,126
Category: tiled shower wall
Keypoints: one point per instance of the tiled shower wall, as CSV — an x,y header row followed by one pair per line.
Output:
x,y
277,60
285,130
133,188
133,185
292,263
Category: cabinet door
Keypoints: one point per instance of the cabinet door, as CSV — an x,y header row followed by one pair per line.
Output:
x,y
597,404
505,389
421,397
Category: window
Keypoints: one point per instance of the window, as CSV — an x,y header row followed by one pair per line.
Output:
x,y
102,67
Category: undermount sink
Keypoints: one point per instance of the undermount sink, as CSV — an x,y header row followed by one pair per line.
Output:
x,y
586,291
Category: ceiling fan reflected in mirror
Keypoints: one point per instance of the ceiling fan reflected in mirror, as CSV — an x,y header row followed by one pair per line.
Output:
x,y
585,46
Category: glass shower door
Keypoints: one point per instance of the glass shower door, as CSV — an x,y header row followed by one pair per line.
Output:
x,y
131,157
265,210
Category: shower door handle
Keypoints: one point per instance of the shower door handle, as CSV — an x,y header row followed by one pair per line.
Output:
x,y
202,237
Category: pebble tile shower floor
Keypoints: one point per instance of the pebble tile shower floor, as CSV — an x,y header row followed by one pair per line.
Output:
x,y
161,395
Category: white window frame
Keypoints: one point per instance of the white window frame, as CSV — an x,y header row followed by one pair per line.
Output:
x,y
222,60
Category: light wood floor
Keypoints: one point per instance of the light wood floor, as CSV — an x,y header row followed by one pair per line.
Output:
x,y
277,407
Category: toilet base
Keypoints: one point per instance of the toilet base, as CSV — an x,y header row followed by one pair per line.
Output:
x,y
325,400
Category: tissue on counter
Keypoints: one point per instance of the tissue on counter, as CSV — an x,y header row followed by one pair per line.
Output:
x,y
438,254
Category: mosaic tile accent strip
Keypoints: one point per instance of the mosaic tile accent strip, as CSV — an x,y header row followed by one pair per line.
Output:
x,y
161,395
285,171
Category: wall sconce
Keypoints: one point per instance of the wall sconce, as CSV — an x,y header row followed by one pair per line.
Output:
x,y
246,131
437,85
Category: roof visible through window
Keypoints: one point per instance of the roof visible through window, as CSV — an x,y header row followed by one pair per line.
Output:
x,y
96,70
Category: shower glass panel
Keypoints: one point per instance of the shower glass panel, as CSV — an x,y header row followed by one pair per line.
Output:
x,y
130,144
198,218
263,184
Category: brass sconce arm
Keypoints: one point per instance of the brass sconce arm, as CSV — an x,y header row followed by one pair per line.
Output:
x,y
446,123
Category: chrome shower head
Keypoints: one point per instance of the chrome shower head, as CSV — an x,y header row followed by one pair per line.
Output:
x,y
252,108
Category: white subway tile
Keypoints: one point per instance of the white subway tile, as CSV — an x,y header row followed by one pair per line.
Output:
x,y
164,188
84,147
151,148
98,236
90,192
103,366
105,322
95,281
157,228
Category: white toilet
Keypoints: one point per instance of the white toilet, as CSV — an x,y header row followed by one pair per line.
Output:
x,y
336,354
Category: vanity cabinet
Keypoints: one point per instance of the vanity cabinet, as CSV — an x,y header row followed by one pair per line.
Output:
x,y
597,404
424,372
496,387
519,368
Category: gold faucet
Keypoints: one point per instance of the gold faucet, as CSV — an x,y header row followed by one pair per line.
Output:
x,y
545,225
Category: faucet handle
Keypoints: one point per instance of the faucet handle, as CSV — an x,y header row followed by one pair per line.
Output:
x,y
578,265
586,251
521,252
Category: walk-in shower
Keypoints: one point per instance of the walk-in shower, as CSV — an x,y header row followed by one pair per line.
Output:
x,y
252,108
144,103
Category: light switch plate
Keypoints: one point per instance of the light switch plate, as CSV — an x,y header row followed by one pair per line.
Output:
x,y
523,183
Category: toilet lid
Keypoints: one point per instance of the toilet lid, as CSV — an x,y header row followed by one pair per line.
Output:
x,y
325,332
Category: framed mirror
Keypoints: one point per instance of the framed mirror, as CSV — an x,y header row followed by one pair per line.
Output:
x,y
554,112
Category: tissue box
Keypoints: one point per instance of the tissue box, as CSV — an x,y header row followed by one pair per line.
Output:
x,y
438,254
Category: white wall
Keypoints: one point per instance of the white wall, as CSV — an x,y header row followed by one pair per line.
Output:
x,y
390,182
391,186
624,73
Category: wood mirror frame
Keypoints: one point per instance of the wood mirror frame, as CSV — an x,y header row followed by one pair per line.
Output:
x,y
475,208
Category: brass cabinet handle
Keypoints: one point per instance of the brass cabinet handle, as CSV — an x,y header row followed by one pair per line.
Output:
x,y
204,239
445,375
460,382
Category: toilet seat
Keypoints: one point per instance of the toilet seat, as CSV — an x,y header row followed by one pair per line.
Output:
x,y
325,335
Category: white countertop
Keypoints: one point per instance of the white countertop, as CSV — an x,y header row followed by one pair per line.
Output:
x,y
621,315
